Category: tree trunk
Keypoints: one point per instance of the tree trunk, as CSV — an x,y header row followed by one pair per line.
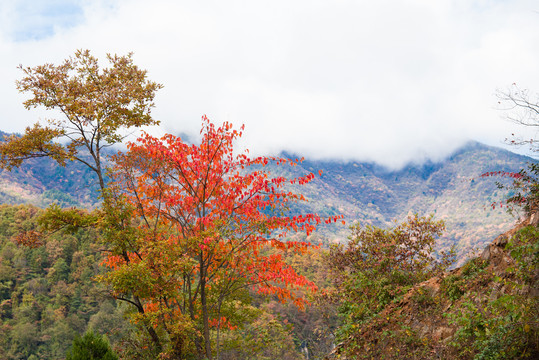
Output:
x,y
151,331
204,303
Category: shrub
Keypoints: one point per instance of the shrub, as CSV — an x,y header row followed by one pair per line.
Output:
x,y
91,347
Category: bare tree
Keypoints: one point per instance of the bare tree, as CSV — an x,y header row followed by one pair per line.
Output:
x,y
521,107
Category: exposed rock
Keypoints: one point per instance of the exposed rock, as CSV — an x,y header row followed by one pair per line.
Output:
x,y
534,219
442,333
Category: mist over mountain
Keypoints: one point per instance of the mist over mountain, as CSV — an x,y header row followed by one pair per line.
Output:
x,y
452,190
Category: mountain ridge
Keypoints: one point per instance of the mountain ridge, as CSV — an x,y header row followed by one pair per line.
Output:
x,y
451,190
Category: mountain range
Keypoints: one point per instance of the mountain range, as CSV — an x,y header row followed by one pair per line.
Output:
x,y
451,190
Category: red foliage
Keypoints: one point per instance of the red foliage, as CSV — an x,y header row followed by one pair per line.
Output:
x,y
513,175
221,210
525,188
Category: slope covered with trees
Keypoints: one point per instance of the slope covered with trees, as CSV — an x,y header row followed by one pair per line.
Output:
x,y
48,293
49,296
486,309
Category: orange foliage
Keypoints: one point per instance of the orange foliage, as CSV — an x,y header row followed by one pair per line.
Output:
x,y
208,217
31,239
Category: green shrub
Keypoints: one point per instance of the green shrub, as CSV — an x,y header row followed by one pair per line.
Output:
x,y
507,327
423,297
453,287
473,267
91,347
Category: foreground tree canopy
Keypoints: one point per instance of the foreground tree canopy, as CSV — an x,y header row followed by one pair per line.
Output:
x,y
194,226
90,346
95,106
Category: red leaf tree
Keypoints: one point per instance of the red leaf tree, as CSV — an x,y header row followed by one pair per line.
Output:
x,y
208,224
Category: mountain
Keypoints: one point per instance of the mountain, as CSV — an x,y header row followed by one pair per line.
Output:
x,y
452,190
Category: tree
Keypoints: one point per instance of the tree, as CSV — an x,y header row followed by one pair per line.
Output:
x,y
90,347
521,108
378,266
96,106
191,227
523,191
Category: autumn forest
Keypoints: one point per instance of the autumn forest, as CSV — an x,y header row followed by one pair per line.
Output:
x,y
197,250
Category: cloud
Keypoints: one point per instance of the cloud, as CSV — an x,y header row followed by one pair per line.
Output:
x,y
388,81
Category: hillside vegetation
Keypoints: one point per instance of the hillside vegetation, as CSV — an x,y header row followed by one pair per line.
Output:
x,y
47,293
399,302
48,296
486,309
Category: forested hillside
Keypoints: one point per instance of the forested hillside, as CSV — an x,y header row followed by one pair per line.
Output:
x,y
180,250
48,293
486,309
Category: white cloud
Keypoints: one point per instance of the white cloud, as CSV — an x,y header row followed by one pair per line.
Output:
x,y
391,81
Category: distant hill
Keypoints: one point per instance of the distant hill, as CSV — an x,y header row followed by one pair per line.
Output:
x,y
452,190
42,181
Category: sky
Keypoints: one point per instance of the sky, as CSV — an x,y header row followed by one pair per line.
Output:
x,y
388,81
